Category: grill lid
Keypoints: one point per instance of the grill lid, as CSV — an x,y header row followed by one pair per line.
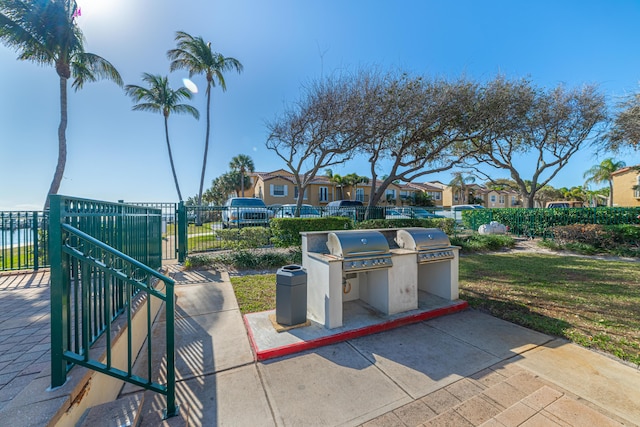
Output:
x,y
355,243
421,239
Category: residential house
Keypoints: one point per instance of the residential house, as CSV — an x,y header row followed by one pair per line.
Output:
x,y
433,191
626,186
279,188
490,198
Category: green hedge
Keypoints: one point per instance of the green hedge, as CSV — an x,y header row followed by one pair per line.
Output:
x,y
445,224
539,222
286,231
243,238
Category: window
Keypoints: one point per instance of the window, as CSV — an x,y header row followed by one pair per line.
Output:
x,y
514,200
391,194
278,190
360,194
493,198
435,195
501,199
295,193
323,196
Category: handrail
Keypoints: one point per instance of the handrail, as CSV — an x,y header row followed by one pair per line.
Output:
x,y
116,252
94,285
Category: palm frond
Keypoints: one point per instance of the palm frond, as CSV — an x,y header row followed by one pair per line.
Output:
x,y
88,67
186,109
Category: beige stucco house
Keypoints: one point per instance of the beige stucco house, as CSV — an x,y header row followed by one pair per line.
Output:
x,y
626,186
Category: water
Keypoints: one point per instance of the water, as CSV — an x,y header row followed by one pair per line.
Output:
x,y
22,235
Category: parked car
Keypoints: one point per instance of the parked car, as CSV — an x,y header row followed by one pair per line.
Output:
x,y
456,211
565,204
245,211
414,212
395,214
350,208
289,211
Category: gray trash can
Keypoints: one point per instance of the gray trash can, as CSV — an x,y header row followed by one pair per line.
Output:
x,y
291,295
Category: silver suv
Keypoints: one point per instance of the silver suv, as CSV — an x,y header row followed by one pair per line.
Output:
x,y
244,212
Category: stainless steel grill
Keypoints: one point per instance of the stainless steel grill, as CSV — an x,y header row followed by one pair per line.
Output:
x,y
432,244
360,250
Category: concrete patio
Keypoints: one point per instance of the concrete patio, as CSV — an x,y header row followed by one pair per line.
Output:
x,y
463,369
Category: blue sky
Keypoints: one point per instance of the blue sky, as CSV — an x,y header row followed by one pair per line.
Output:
x,y
115,153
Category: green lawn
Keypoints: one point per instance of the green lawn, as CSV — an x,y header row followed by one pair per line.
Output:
x,y
591,302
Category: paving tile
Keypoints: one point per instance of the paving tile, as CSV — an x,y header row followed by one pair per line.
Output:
x,y
507,368
572,411
440,401
32,355
539,420
515,415
525,382
35,368
542,398
387,420
16,366
6,378
448,419
414,413
477,410
488,377
492,423
504,394
15,386
9,357
464,389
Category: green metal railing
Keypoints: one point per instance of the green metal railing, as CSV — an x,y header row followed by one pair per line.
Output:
x,y
23,240
169,226
104,262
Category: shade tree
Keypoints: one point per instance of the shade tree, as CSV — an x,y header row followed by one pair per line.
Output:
x,y
538,129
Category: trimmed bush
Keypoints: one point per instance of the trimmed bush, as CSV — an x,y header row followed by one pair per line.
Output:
x,y
285,232
244,238
247,259
483,242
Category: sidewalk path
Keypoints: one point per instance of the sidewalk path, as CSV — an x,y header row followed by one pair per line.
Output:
x,y
24,335
464,369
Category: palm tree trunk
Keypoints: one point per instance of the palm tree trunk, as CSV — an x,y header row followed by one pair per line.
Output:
x,y
206,145
62,143
173,168
610,193
242,181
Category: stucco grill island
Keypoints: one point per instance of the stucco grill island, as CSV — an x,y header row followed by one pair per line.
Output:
x,y
379,269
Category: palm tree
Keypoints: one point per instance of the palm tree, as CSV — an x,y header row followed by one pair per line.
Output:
x,y
352,180
196,56
603,173
160,98
459,185
242,164
46,32
337,180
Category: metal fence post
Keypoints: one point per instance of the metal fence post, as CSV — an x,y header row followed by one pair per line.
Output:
x,y
182,232
34,227
59,285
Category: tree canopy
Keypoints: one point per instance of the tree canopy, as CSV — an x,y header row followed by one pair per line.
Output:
x,y
547,125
